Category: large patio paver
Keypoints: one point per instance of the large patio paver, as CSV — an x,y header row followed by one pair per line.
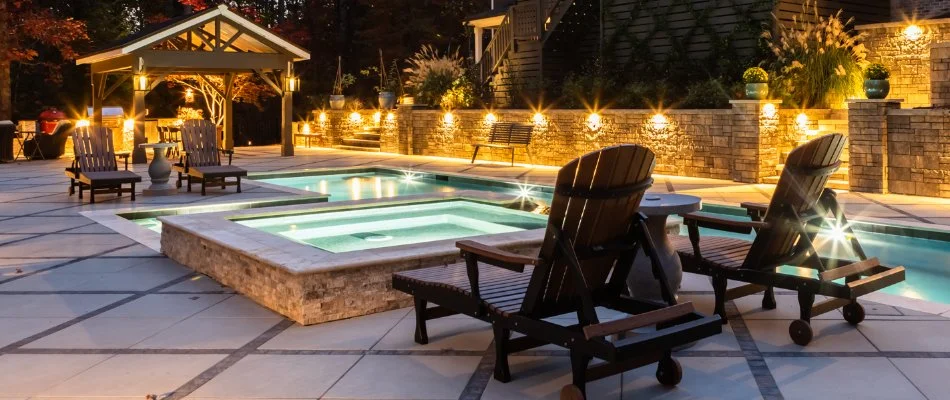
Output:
x,y
703,378
904,335
29,374
405,377
868,378
134,375
278,376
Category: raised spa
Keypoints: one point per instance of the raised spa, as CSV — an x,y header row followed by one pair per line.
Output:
x,y
371,228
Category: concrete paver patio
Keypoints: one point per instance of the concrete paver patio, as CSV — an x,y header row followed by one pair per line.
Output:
x,y
88,313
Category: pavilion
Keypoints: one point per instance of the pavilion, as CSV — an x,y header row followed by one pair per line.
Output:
x,y
215,41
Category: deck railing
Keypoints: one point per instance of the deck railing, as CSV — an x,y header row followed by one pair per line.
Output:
x,y
501,43
523,21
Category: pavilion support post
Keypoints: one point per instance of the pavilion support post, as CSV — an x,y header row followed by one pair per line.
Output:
x,y
98,81
286,121
228,108
138,114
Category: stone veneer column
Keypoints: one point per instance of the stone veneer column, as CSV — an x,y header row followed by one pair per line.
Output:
x,y
754,145
404,129
940,74
867,131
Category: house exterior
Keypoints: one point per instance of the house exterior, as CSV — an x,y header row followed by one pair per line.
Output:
x,y
535,43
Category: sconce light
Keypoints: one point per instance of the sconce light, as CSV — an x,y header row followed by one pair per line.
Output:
x,y
594,122
913,32
801,122
390,117
293,84
305,128
448,118
769,111
539,119
141,82
659,122
377,116
490,119
128,125
322,118
189,96
355,117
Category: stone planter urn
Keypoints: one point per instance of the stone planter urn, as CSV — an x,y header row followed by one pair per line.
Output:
x,y
756,91
387,100
337,101
876,88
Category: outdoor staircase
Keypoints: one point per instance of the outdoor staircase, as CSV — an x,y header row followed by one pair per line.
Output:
x,y
526,20
367,139
838,180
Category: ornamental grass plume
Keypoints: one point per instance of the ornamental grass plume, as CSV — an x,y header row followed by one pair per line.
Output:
x,y
431,74
819,60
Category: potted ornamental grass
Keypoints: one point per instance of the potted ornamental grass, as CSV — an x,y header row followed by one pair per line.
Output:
x,y
342,81
756,83
876,85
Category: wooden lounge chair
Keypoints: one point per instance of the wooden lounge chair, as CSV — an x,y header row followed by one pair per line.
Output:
x,y
200,159
95,167
594,234
506,135
787,229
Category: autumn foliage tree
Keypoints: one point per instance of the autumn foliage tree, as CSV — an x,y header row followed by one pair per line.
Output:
x,y
26,28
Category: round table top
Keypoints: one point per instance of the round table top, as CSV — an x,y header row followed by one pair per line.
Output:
x,y
157,145
669,203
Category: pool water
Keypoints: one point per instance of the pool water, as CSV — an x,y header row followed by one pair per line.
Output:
x,y
385,184
378,227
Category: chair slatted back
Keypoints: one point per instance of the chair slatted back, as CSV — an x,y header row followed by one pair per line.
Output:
x,y
798,191
596,198
500,132
521,134
92,146
199,140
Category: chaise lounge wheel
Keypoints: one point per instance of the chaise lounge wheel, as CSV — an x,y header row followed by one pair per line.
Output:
x,y
669,372
801,332
853,313
571,392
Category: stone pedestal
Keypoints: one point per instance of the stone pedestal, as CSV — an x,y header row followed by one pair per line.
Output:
x,y
754,139
867,130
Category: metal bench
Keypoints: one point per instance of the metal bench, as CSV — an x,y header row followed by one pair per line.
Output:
x,y
507,135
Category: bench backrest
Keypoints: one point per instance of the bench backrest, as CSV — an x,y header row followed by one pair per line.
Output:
x,y
92,146
199,140
510,133
595,201
797,193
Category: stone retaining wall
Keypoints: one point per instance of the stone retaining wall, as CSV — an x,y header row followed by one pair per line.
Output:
x,y
907,56
918,152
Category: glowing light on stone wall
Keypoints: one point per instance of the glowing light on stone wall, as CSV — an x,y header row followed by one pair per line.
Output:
x,y
594,122
913,32
659,122
490,119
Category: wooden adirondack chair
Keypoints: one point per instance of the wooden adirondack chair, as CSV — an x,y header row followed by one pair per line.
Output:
x,y
95,167
593,236
201,160
787,229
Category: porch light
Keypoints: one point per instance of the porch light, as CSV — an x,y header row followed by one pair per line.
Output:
x,y
913,32
293,84
141,82
659,122
448,118
594,122
189,96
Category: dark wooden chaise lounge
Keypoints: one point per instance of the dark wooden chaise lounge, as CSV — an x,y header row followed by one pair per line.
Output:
x,y
200,160
786,232
507,135
593,236
95,167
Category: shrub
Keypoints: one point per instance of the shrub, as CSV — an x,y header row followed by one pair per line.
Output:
x,y
594,85
819,61
461,95
431,74
755,75
877,71
708,94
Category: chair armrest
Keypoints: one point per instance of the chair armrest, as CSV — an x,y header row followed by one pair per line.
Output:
x,y
755,210
707,220
638,321
495,256
229,152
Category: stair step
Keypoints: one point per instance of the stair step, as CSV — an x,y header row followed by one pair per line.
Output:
x,y
361,142
367,136
356,148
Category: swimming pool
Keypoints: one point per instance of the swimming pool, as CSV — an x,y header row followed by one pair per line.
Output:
x,y
395,225
928,264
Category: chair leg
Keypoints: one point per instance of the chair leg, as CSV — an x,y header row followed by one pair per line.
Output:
x,y
475,154
579,363
512,156
72,186
719,288
189,183
224,183
422,337
118,191
203,183
502,336
239,185
92,194
80,190
768,299
178,183
133,191
805,302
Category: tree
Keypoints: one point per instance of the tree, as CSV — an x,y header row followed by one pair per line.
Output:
x,y
211,88
27,29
